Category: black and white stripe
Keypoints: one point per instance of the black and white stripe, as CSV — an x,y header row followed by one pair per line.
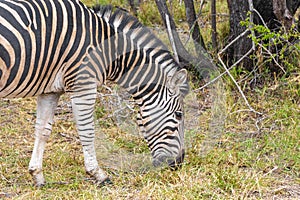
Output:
x,y
50,47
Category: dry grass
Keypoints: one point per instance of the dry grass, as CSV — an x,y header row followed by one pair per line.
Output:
x,y
241,162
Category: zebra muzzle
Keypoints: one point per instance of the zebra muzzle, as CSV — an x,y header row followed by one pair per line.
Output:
x,y
164,160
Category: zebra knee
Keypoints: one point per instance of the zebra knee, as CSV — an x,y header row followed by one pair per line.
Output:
x,y
43,132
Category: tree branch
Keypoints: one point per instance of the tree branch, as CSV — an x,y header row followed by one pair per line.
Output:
x,y
192,63
227,70
171,38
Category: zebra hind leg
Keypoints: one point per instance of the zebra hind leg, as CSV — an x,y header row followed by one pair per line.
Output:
x,y
46,105
83,104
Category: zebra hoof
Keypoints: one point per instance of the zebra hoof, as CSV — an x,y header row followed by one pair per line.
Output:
x,y
39,181
39,185
38,177
99,176
106,182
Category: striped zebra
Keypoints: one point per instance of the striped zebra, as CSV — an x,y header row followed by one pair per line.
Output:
x,y
50,47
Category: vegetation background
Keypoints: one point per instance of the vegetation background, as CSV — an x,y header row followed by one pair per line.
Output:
x,y
232,152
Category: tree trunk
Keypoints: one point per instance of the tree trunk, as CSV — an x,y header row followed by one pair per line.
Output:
x,y
238,12
213,25
275,13
202,65
282,13
194,26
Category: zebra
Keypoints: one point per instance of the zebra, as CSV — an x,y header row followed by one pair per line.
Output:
x,y
51,47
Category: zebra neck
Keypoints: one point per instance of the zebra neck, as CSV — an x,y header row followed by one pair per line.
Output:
x,y
137,72
133,57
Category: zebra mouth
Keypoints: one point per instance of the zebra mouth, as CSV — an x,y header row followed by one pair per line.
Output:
x,y
173,163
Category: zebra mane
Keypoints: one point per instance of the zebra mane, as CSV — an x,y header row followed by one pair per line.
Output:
x,y
122,21
103,11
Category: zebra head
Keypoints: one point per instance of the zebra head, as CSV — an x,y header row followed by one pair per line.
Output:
x,y
142,65
161,120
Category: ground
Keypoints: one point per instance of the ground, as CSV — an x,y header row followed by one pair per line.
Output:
x,y
231,153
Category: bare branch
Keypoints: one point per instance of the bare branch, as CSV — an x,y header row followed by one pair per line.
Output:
x,y
227,70
222,74
233,41
273,58
260,17
251,8
237,85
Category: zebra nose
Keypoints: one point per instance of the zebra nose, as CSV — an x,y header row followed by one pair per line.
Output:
x,y
172,162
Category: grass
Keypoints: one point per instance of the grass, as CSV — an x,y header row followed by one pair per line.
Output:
x,y
231,154
243,162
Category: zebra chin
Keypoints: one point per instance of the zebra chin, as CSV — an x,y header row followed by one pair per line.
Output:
x,y
164,160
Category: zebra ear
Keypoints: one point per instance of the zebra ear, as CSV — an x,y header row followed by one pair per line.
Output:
x,y
178,82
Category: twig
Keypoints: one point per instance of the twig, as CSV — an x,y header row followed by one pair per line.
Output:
x,y
236,63
260,17
227,69
233,41
259,121
275,61
222,74
237,85
265,25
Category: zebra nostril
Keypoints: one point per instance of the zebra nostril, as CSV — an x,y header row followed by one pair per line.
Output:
x,y
175,163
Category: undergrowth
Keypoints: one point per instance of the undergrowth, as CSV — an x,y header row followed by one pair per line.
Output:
x,y
254,157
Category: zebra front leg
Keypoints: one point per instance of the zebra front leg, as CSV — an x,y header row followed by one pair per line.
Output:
x,y
83,110
46,105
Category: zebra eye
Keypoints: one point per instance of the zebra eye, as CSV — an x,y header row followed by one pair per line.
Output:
x,y
178,115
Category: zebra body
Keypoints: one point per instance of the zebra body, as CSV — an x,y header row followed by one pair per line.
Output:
x,y
50,47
